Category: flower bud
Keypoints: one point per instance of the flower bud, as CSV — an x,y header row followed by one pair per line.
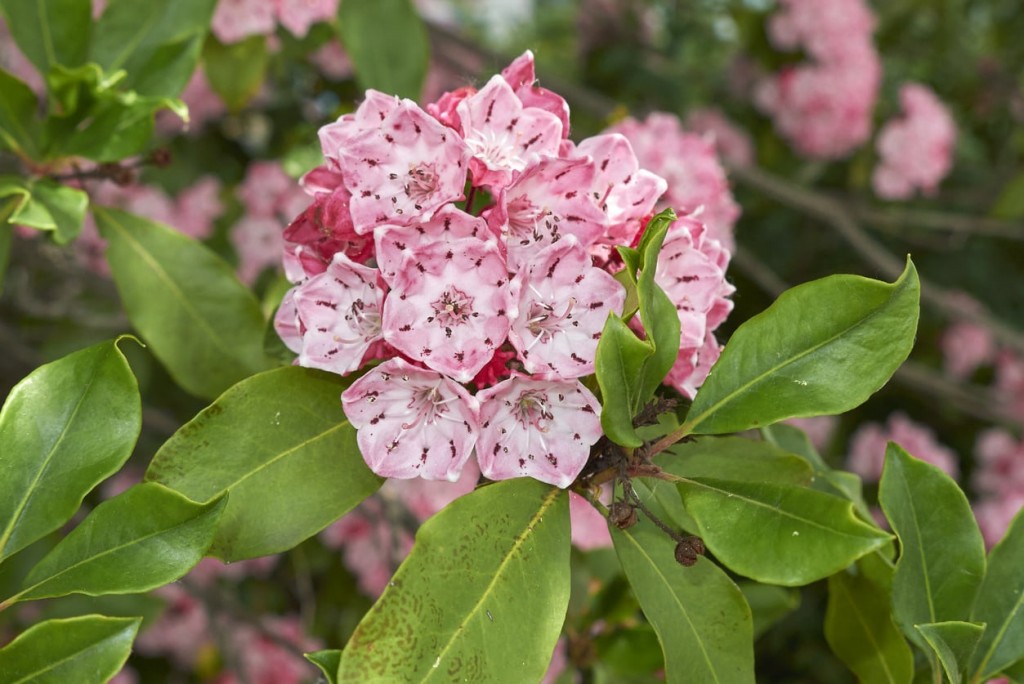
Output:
x,y
688,549
622,515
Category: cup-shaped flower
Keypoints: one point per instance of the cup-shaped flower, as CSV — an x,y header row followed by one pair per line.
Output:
x,y
537,428
412,422
550,200
340,313
450,306
403,169
563,304
520,74
504,136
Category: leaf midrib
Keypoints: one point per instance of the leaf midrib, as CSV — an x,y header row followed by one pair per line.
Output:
x,y
866,629
184,302
5,538
548,501
682,609
788,362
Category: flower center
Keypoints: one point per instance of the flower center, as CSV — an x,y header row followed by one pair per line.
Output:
x,y
421,182
523,219
496,150
544,323
532,410
453,307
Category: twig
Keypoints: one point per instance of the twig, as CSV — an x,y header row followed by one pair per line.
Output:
x,y
961,224
878,256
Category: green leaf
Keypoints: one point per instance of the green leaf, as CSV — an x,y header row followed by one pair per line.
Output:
x,y
481,597
6,235
236,71
328,662
630,652
50,32
280,444
1000,604
619,361
65,205
18,128
156,42
775,532
699,614
822,348
65,428
657,312
942,555
96,119
185,301
144,538
859,627
371,31
768,604
953,643
734,458
84,650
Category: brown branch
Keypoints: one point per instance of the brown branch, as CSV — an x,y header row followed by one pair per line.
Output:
x,y
959,224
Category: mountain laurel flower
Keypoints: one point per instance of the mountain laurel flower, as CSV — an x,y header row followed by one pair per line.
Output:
x,y
504,136
396,243
537,428
563,305
412,422
449,308
340,310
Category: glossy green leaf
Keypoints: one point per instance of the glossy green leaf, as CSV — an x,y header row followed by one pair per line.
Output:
x,y
795,441
768,604
144,538
65,205
1014,672
236,71
65,428
657,312
859,626
662,497
700,615
50,32
157,42
371,31
328,662
942,555
18,105
481,597
953,644
620,359
185,301
775,532
98,119
1000,604
83,650
822,348
630,652
734,458
281,446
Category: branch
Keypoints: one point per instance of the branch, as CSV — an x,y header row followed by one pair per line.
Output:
x,y
834,213
961,224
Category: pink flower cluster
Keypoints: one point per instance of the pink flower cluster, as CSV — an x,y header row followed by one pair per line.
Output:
x,y
999,479
270,198
697,184
915,149
732,142
823,106
867,449
234,20
393,261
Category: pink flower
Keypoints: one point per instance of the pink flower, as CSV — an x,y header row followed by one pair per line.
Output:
x,y
521,76
825,29
197,207
916,149
624,192
332,61
965,348
261,657
204,105
372,544
999,462
401,170
424,498
687,161
537,428
867,449
691,271
563,305
589,527
503,136
1009,384
692,366
995,515
548,201
298,15
450,307
234,20
258,241
412,422
732,143
819,429
340,315
180,632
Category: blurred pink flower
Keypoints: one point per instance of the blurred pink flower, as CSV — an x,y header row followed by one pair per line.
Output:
x,y
916,149
732,143
867,449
